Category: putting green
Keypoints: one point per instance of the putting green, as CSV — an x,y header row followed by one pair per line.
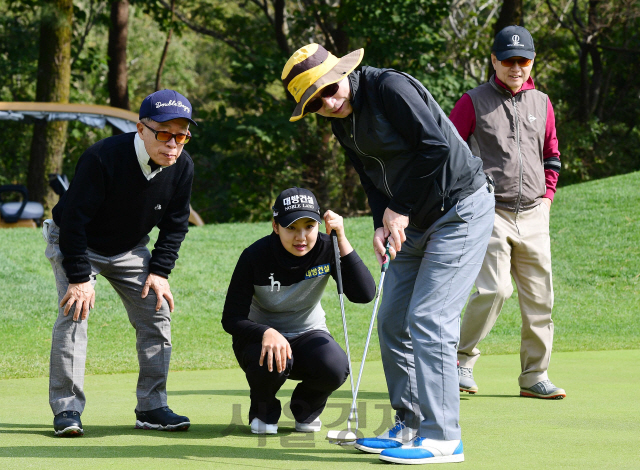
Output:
x,y
596,427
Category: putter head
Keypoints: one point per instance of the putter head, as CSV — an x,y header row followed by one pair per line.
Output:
x,y
342,438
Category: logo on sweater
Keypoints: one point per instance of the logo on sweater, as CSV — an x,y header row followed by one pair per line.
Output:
x,y
515,41
531,118
318,271
158,207
274,283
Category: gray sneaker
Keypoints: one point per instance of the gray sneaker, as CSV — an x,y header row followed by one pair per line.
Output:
x,y
465,377
544,389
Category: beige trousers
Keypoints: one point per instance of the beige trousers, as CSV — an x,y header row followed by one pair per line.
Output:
x,y
519,247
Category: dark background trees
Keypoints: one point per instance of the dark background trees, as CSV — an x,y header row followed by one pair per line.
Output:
x,y
52,85
227,56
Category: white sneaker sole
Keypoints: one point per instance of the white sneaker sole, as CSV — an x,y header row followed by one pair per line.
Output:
x,y
372,450
308,428
159,427
264,432
70,431
441,459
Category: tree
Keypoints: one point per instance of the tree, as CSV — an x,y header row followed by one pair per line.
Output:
x,y
595,26
260,36
117,52
54,73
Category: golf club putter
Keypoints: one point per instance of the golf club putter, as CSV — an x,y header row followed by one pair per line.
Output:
x,y
348,438
353,413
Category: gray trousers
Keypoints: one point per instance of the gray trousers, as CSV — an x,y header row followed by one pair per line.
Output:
x,y
127,273
425,290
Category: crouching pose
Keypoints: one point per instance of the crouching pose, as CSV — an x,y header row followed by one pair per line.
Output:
x,y
273,312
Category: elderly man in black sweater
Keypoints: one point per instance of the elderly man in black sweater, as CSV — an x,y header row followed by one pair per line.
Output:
x,y
123,187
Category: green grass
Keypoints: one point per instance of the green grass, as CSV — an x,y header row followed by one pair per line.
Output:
x,y
595,427
596,265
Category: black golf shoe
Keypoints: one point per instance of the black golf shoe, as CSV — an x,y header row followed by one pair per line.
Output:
x,y
68,424
161,419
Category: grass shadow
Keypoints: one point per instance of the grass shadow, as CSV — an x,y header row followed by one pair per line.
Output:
x,y
346,394
196,431
494,396
287,451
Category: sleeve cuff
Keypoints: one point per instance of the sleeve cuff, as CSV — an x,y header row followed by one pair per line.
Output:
x,y
549,194
401,209
78,280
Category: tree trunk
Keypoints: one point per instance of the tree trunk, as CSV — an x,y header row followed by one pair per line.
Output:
x,y
163,58
510,14
54,76
117,81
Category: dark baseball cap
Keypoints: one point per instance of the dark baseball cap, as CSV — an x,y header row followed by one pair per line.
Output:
x,y
293,204
513,41
165,105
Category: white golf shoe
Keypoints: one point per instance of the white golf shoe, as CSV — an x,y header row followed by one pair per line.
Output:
x,y
309,427
422,450
260,427
395,437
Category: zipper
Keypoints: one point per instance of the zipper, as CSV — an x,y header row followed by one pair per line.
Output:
x,y
380,162
515,109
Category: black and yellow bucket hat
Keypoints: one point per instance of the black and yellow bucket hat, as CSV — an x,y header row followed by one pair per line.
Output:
x,y
312,68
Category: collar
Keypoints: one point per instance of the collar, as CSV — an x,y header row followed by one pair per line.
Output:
x,y
528,85
149,167
354,82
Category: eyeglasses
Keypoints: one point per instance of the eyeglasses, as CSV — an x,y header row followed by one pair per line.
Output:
x,y
522,62
315,104
164,136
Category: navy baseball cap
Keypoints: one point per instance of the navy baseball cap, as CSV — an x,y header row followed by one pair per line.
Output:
x,y
293,204
165,105
513,41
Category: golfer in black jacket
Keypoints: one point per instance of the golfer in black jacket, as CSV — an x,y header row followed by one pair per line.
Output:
x,y
123,187
430,198
273,311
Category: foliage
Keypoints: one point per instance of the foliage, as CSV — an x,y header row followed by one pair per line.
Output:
x,y
602,139
227,56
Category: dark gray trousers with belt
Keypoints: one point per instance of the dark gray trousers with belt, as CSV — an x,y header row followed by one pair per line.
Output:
x,y
127,273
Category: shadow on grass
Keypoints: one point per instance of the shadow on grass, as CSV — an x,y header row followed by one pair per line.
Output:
x,y
495,396
181,451
286,431
294,447
196,431
245,393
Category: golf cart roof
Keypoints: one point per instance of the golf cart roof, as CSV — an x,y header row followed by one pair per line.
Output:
x,y
91,114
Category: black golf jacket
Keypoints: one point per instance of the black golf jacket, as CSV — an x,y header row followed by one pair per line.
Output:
x,y
408,154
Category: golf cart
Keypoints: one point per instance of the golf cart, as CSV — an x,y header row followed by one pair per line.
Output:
x,y
24,213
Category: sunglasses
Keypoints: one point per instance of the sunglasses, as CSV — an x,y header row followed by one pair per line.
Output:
x,y
164,136
522,62
315,104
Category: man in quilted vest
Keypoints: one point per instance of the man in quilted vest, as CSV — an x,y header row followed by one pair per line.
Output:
x,y
511,126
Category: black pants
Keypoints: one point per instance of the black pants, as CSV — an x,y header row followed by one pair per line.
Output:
x,y
317,361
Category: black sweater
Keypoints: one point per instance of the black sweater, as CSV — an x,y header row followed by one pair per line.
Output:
x,y
110,206
272,288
